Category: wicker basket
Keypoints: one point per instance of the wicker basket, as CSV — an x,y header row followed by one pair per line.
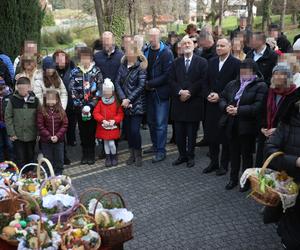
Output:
x,y
270,197
63,216
39,168
73,225
12,170
111,236
9,207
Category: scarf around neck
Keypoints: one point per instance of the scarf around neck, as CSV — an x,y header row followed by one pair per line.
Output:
x,y
109,100
244,84
273,106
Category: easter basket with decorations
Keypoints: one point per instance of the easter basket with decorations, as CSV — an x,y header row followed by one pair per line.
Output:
x,y
110,213
9,173
270,187
83,233
29,183
39,233
58,198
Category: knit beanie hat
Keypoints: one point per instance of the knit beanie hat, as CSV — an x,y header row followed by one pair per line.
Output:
x,y
286,69
108,85
48,63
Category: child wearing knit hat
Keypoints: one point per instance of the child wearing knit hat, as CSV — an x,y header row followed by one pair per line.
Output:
x,y
108,114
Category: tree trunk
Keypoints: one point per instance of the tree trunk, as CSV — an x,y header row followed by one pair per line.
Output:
x,y
266,17
134,19
130,6
283,15
186,11
250,4
153,16
99,15
221,3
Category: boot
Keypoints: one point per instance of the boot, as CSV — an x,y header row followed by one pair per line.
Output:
x,y
108,161
131,158
138,157
114,160
84,156
91,156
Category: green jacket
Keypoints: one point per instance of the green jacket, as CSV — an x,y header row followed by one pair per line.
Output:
x,y
20,117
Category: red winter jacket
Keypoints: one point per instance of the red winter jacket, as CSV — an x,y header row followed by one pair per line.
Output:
x,y
51,125
108,112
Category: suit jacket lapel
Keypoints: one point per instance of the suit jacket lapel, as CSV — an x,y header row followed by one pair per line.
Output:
x,y
225,65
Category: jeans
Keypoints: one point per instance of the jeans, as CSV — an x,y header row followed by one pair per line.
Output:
x,y
5,145
133,125
24,152
157,118
54,152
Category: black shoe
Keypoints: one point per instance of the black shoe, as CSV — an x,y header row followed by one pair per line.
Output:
x,y
221,171
179,161
210,168
202,143
158,157
149,151
190,163
108,161
67,161
246,187
231,184
84,161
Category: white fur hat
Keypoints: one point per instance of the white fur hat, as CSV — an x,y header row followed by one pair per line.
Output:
x,y
108,84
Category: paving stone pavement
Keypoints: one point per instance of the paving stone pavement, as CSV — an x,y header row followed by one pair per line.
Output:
x,y
180,208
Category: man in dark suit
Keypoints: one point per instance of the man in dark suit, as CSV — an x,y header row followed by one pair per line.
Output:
x,y
263,55
221,70
187,76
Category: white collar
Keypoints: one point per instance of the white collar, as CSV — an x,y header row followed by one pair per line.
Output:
x,y
223,61
261,52
188,58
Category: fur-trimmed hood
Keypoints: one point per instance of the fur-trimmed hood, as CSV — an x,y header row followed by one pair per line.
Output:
x,y
142,61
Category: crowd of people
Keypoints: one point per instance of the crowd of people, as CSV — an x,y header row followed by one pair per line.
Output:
x,y
243,89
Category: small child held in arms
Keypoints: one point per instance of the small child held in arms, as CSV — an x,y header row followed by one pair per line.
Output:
x,y
108,114
20,119
52,125
6,147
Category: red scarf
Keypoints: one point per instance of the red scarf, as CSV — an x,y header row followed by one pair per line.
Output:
x,y
272,107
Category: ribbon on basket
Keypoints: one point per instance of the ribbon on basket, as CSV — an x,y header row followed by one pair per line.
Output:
x,y
287,200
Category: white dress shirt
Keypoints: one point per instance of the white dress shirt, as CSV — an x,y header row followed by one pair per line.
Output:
x,y
259,54
221,63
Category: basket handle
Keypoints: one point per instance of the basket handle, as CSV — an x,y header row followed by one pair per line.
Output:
x,y
108,193
85,216
12,164
49,165
268,161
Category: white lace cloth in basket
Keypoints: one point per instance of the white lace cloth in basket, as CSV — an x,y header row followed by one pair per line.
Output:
x,y
287,200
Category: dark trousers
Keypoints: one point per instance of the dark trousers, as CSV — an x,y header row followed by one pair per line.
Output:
x,y
241,147
87,131
24,152
6,147
54,152
186,133
260,150
133,125
214,150
72,121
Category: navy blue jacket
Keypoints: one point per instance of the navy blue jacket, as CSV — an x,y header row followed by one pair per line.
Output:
x,y
109,64
160,68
